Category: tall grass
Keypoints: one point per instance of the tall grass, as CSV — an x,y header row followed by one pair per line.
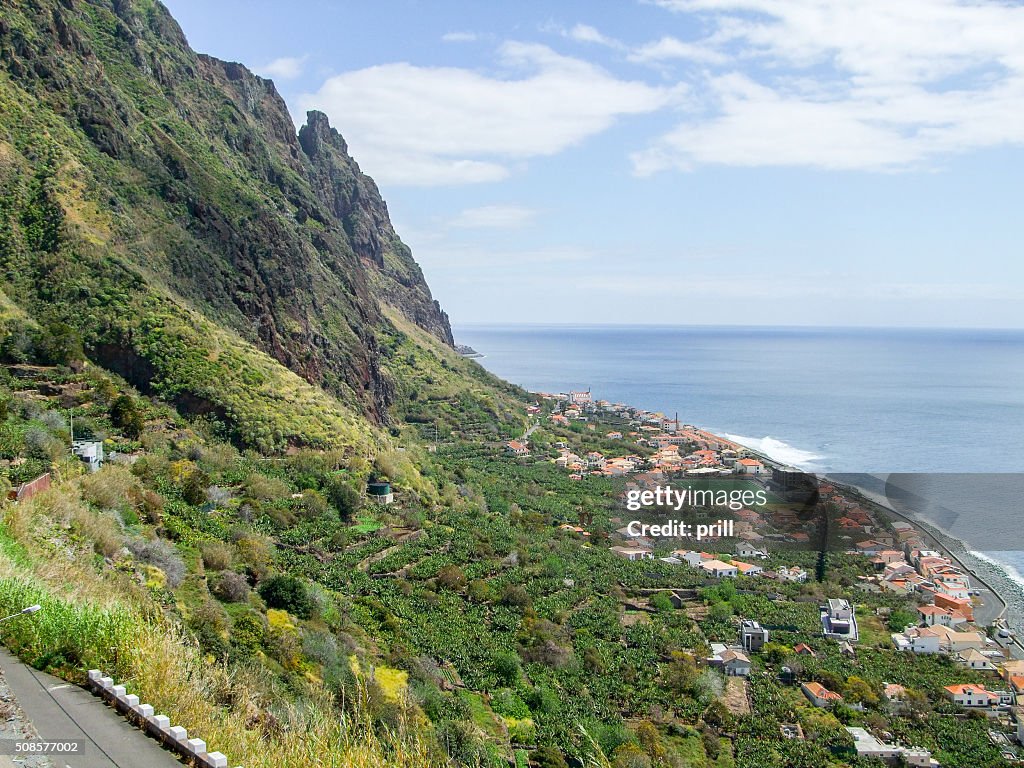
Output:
x,y
213,702
89,620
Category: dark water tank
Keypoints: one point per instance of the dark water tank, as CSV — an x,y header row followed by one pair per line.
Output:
x,y
378,489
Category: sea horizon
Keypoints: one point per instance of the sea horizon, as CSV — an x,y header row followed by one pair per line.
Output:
x,y
488,325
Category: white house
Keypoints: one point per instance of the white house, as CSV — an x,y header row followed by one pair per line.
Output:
x,y
633,553
732,661
89,451
838,621
735,664
748,569
918,640
746,549
931,615
972,695
819,695
975,659
868,746
517,448
793,574
691,557
951,641
719,569
749,467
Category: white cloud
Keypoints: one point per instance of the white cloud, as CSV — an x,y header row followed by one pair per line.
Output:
x,y
584,33
873,85
408,124
284,68
459,37
493,217
673,48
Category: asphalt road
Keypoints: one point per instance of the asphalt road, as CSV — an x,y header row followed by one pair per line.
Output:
x,y
62,711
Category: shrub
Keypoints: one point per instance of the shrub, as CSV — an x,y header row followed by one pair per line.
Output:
x,y
59,344
113,487
479,591
219,497
231,587
515,596
312,504
548,757
287,593
320,647
661,602
210,626
269,489
162,555
216,555
248,632
451,577
256,553
193,489
40,444
54,420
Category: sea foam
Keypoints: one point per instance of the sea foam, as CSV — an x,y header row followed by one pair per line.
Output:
x,y
780,451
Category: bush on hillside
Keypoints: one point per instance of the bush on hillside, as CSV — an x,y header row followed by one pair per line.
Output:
x,y
287,593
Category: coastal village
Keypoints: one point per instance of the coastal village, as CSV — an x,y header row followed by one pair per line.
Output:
x,y
948,620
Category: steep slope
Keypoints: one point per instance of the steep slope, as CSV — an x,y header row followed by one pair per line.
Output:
x,y
157,205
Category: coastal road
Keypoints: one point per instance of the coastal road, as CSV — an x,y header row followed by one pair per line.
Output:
x,y
61,711
987,607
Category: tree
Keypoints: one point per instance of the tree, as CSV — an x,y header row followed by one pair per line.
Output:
x,y
126,416
681,673
650,740
287,593
60,344
720,612
505,666
900,619
343,497
858,689
661,602
776,652
515,596
193,490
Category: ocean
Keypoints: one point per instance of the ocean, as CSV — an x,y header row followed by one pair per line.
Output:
x,y
933,417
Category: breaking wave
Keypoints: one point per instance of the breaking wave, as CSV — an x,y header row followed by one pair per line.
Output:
x,y
780,451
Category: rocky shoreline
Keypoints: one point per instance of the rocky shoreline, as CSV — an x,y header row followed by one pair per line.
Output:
x,y
988,573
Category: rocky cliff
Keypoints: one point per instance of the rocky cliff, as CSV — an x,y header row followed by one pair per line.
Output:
x,y
141,181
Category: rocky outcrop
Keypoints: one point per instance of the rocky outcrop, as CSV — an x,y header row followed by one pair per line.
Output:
x,y
354,200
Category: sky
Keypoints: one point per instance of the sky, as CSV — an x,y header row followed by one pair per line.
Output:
x,y
748,162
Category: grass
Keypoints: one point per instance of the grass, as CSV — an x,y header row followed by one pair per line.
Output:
x,y
366,524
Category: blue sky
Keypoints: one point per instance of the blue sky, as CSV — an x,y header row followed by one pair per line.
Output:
x,y
754,162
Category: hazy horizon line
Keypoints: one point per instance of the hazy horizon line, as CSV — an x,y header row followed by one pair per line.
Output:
x,y
734,326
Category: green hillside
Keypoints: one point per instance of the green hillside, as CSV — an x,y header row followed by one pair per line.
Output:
x,y
221,301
